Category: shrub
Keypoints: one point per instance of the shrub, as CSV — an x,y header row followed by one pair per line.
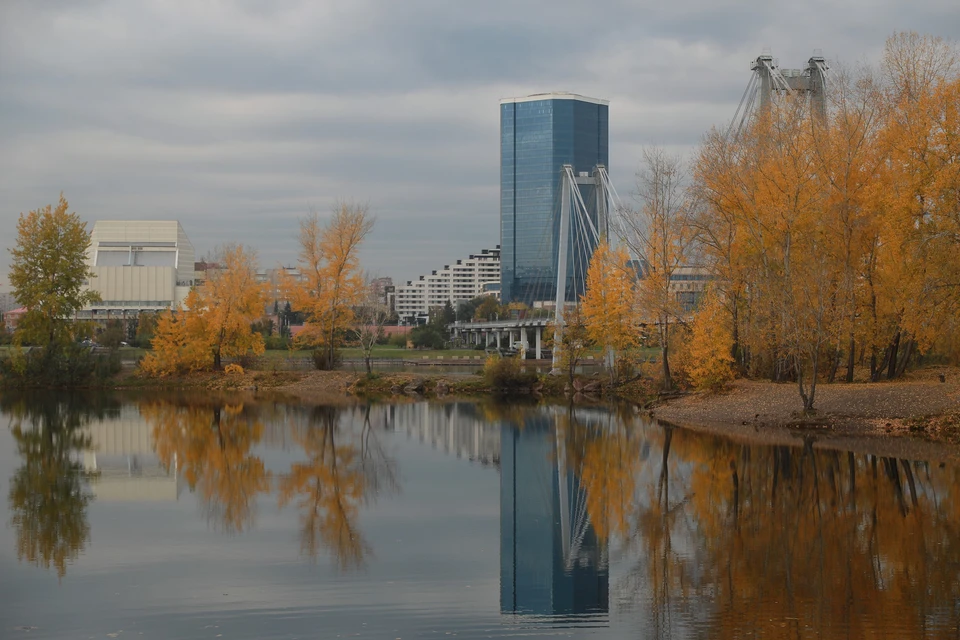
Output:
x,y
505,375
276,342
398,339
58,366
233,369
324,361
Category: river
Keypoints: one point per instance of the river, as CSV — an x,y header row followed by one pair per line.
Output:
x,y
197,516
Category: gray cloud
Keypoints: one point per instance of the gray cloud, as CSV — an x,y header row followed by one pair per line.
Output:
x,y
237,118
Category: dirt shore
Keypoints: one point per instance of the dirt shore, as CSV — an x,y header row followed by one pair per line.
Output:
x,y
884,418
851,416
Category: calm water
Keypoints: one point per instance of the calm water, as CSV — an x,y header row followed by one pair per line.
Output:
x,y
202,517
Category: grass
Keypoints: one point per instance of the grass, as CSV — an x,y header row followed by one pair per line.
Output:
x,y
380,352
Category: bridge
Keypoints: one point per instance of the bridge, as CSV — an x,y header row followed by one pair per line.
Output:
x,y
517,334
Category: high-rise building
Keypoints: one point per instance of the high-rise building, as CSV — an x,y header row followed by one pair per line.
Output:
x,y
538,135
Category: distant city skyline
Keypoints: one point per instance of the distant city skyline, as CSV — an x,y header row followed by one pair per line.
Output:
x,y
239,118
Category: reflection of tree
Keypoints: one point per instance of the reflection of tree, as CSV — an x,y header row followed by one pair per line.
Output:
x,y
210,445
342,471
48,496
786,540
604,455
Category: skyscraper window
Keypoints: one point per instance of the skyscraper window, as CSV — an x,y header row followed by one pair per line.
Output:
x,y
538,135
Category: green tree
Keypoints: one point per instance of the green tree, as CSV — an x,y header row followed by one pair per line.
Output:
x,y
488,309
48,273
428,336
113,334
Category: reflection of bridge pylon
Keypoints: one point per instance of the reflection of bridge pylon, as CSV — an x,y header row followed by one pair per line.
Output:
x,y
769,78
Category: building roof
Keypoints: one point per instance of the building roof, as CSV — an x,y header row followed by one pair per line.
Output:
x,y
555,95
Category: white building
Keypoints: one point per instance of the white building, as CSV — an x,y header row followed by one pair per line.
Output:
x,y
474,276
138,265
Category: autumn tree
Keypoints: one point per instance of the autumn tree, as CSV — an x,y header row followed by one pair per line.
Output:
x,y
662,232
609,305
488,309
832,235
216,321
48,273
918,280
708,351
332,282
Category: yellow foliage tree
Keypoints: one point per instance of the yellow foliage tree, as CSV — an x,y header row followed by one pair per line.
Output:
x,y
609,304
709,359
216,321
332,279
833,236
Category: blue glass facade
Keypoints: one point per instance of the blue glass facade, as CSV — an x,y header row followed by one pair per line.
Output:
x,y
538,137
535,577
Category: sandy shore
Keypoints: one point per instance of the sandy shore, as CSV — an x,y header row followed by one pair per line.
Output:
x,y
871,418
855,416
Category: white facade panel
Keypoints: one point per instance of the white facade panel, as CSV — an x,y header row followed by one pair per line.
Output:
x,y
139,265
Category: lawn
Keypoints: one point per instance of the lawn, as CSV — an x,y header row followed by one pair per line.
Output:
x,y
384,352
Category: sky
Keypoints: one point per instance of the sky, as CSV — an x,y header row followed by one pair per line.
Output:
x,y
240,118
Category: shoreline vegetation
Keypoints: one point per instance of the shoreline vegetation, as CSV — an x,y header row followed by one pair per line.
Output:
x,y
919,410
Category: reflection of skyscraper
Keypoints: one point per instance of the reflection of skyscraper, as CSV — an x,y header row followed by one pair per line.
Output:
x,y
550,561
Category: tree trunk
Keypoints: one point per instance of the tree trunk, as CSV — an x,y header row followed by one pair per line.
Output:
x,y
892,356
808,408
905,358
664,354
850,358
834,366
366,359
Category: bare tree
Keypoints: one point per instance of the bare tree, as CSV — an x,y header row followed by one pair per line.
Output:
x,y
661,232
371,316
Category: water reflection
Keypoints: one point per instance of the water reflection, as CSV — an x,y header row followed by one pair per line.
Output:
x,y
344,469
49,493
210,444
797,538
603,516
551,559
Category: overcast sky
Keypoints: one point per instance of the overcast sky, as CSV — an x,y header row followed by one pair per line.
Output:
x,y
237,118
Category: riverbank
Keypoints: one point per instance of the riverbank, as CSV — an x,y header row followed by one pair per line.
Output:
x,y
919,405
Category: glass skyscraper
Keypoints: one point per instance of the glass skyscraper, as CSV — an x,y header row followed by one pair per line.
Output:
x,y
538,135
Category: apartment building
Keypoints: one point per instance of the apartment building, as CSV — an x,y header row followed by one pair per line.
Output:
x,y
476,275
